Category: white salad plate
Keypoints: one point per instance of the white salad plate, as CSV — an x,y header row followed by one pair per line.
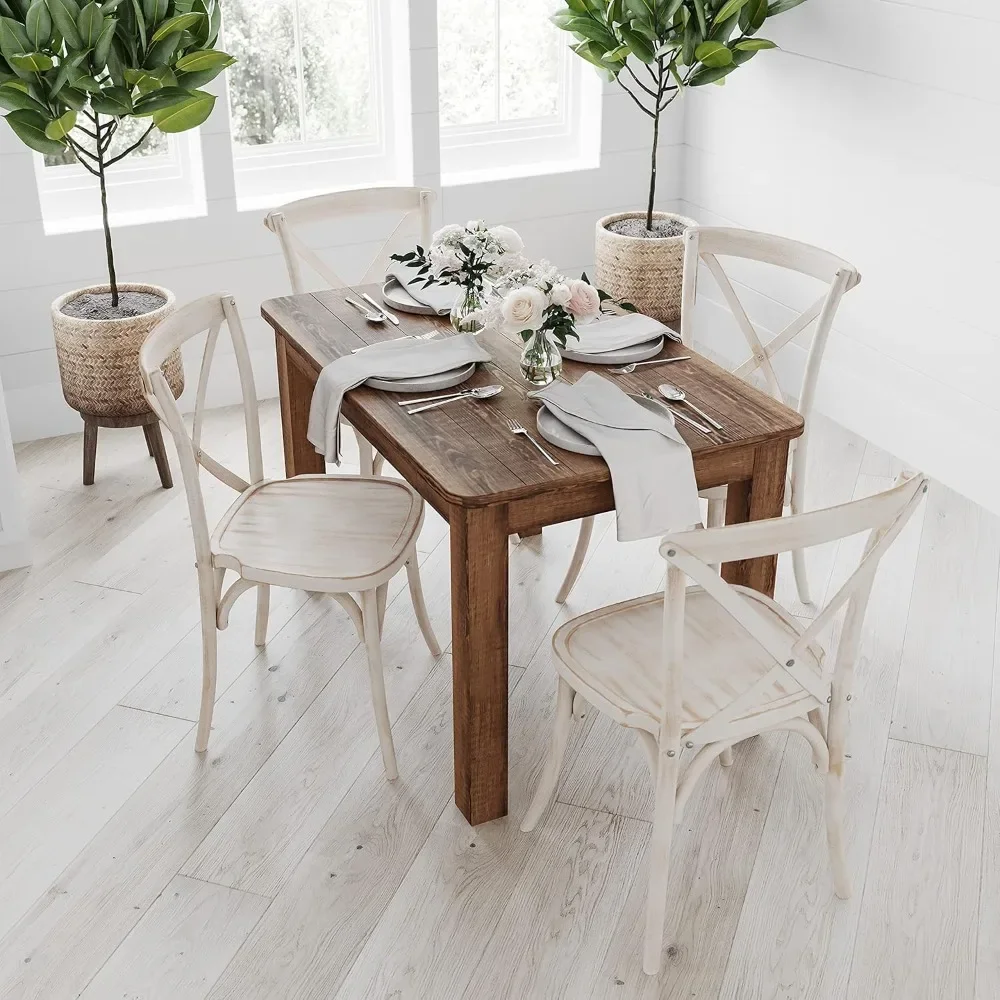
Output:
x,y
556,432
621,356
424,383
396,296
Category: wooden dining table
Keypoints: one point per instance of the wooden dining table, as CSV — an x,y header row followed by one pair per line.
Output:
x,y
488,484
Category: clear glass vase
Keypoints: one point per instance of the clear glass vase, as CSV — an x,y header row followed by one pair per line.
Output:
x,y
467,312
541,362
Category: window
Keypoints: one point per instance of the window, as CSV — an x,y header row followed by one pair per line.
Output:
x,y
70,198
311,101
512,94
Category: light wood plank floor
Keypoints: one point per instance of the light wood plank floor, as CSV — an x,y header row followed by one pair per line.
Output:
x,y
283,865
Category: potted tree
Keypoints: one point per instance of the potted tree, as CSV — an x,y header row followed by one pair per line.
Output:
x,y
94,82
655,49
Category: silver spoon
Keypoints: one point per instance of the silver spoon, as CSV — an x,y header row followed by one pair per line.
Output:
x,y
480,392
675,395
372,317
628,369
690,421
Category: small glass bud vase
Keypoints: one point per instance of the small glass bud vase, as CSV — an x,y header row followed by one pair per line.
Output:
x,y
467,312
541,362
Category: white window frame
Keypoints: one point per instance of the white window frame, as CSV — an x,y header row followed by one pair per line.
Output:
x,y
527,147
141,189
268,175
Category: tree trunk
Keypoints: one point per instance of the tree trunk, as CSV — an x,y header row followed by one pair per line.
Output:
x,y
108,248
652,169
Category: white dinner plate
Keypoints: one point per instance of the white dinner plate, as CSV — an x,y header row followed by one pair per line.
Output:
x,y
556,432
424,383
396,296
622,356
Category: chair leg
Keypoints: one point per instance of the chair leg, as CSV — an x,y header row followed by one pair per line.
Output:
x,y
154,441
716,518
366,455
550,773
89,451
373,645
576,563
726,757
263,609
381,596
798,555
419,607
659,863
209,665
378,464
835,827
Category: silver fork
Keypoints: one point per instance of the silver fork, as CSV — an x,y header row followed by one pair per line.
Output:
x,y
516,428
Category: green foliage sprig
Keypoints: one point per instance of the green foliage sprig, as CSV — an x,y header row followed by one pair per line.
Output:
x,y
72,73
676,44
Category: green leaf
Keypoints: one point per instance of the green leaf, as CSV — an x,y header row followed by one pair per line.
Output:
x,y
12,98
190,114
154,11
31,62
114,101
645,10
38,24
729,8
160,53
206,59
64,14
710,74
641,48
62,126
73,98
752,16
780,6
755,44
692,39
157,100
713,54
699,12
103,47
13,38
176,24
29,127
90,24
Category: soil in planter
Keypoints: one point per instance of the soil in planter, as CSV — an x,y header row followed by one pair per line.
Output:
x,y
97,305
662,228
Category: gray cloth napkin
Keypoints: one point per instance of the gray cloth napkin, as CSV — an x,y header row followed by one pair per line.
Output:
x,y
611,333
392,359
440,298
651,468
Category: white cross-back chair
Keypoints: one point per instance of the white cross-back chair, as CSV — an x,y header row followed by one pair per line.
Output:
x,y
706,244
702,667
413,205
338,535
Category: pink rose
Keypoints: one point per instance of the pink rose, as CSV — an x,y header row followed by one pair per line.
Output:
x,y
584,302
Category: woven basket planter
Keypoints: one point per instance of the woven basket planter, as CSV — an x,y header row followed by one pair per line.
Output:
x,y
99,359
648,273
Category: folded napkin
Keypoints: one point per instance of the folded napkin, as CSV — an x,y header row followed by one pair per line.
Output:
x,y
651,468
610,333
393,359
440,298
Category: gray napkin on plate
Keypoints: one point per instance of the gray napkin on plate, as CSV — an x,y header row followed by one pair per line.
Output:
x,y
440,298
611,333
392,359
651,468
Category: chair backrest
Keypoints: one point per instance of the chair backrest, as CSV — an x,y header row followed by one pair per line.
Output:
x,y
691,553
205,316
708,243
413,203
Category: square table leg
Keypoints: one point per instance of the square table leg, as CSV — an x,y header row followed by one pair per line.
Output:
x,y
760,497
479,659
295,388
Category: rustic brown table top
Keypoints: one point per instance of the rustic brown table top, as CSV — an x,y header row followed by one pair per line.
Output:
x,y
465,450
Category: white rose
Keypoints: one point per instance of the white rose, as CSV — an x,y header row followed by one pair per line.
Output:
x,y
474,225
443,258
584,302
508,239
524,309
446,234
560,294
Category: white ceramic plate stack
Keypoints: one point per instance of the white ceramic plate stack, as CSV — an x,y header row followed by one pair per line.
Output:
x,y
556,432
621,356
396,296
424,383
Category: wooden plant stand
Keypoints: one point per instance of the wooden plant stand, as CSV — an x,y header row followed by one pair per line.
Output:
x,y
150,424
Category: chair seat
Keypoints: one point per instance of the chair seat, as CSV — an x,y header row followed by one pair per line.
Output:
x,y
616,653
339,533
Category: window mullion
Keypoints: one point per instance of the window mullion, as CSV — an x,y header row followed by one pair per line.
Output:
x,y
496,78
299,69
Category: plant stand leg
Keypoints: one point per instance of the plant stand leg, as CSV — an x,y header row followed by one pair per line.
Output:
x,y
89,451
154,439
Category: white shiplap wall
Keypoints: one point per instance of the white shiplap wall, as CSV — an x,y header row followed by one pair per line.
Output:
x,y
864,135
230,250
